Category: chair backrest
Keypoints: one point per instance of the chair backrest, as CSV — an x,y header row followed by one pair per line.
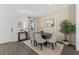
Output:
x,y
39,38
54,36
32,35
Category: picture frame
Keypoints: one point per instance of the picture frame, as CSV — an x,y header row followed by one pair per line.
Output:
x,y
49,22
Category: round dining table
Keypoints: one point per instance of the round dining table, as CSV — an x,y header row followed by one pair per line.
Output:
x,y
46,36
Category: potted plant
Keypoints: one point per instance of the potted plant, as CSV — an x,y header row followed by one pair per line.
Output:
x,y
67,28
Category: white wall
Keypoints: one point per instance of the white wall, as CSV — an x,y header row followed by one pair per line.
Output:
x,y
77,27
5,32
6,24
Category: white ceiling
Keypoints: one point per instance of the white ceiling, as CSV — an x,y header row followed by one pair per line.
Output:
x,y
29,9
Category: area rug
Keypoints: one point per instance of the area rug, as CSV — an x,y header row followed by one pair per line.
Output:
x,y
45,50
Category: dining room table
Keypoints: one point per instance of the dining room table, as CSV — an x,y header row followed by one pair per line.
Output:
x,y
46,36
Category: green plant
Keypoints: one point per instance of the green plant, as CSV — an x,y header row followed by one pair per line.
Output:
x,y
67,28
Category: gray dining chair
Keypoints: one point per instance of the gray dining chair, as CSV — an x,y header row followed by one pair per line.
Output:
x,y
39,40
52,40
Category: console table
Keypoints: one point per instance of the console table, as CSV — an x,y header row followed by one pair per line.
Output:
x,y
19,33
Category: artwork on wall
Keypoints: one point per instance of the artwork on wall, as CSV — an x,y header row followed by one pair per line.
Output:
x,y
32,24
49,22
22,26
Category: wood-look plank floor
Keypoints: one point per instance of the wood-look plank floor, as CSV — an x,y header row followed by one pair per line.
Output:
x,y
16,48
19,48
69,50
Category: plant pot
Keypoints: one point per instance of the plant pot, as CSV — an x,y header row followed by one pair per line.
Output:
x,y
65,42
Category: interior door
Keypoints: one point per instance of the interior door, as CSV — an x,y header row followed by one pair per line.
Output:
x,y
6,30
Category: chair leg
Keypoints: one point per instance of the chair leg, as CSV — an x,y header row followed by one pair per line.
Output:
x,y
34,43
46,43
41,46
52,46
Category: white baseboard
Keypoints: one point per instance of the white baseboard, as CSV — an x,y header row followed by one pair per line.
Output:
x,y
7,41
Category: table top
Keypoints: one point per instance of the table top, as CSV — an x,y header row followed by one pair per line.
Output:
x,y
46,35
